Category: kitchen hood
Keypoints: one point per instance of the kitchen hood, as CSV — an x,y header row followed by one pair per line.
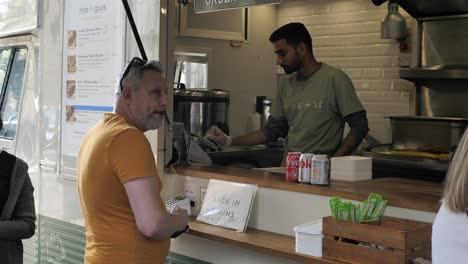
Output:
x,y
430,8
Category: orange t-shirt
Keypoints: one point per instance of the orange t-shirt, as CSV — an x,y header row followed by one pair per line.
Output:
x,y
114,152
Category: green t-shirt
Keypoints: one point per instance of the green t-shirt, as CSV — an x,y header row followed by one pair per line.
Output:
x,y
314,109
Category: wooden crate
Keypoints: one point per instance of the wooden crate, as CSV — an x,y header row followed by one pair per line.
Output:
x,y
401,239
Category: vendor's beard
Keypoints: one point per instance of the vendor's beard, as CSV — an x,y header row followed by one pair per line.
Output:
x,y
293,69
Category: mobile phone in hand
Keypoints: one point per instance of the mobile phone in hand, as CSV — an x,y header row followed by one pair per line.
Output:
x,y
178,233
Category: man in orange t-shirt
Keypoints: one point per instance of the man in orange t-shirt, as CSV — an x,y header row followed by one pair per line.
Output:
x,y
125,218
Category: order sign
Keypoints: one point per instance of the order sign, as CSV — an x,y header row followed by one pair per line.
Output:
x,y
202,6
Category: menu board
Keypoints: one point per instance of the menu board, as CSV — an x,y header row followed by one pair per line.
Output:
x,y
93,54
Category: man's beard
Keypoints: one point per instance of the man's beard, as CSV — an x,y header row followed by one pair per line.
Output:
x,y
291,69
151,123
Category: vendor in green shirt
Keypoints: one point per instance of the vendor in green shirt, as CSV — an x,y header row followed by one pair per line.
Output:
x,y
312,105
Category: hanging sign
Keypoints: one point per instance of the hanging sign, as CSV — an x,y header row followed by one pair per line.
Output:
x,y
202,6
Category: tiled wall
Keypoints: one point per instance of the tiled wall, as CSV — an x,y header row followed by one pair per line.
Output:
x,y
346,34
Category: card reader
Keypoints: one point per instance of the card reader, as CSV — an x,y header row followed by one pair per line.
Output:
x,y
181,202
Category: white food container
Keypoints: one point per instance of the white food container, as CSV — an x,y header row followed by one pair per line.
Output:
x,y
348,175
309,238
351,163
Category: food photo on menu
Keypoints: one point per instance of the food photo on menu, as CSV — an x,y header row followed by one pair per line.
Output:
x,y
71,65
71,88
70,114
71,39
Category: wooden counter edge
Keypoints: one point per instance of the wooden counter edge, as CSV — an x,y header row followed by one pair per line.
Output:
x,y
344,189
256,240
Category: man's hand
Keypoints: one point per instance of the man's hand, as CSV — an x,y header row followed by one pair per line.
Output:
x,y
181,216
217,135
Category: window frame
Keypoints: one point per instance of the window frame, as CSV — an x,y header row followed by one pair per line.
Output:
x,y
9,142
191,54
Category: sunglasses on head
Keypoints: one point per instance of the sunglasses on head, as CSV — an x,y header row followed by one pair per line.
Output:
x,y
135,63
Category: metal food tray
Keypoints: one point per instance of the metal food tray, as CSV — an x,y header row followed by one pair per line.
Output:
x,y
406,161
431,134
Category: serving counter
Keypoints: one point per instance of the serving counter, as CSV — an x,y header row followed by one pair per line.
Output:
x,y
280,205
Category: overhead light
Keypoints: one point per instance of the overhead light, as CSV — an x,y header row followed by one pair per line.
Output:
x,y
394,24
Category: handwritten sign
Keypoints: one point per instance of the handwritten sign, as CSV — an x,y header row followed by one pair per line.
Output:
x,y
227,204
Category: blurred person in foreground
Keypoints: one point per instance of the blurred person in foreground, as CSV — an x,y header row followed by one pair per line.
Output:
x,y
17,213
450,228
125,218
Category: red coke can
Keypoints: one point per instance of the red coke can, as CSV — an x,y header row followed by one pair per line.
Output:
x,y
292,166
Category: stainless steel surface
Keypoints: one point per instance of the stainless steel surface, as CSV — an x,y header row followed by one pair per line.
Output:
x,y
265,112
444,98
200,109
426,133
280,170
201,93
406,161
430,8
445,42
394,24
435,72
443,48
442,71
259,156
449,17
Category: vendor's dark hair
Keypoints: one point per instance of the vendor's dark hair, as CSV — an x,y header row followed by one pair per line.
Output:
x,y
294,34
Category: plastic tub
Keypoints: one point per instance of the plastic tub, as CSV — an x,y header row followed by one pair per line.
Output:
x,y
351,163
349,175
309,238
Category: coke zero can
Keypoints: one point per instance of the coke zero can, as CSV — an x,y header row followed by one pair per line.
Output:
x,y
305,167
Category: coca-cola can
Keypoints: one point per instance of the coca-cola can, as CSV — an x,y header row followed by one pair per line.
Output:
x,y
292,166
320,166
305,167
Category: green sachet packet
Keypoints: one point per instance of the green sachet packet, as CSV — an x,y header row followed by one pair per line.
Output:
x,y
348,208
362,210
353,213
372,202
347,211
342,211
375,196
380,208
334,203
358,213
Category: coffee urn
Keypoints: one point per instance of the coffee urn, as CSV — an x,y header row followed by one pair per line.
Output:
x,y
199,109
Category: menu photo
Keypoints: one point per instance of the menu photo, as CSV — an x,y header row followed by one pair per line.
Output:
x,y
70,116
71,89
71,40
71,63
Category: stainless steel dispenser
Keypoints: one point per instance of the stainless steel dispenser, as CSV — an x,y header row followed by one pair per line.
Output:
x,y
199,109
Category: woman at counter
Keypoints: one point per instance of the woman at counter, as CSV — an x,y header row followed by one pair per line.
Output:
x,y
17,214
450,228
